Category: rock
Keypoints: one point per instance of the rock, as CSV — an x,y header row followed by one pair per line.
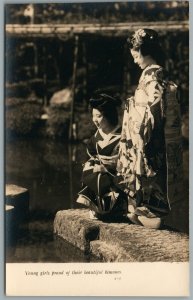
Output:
x,y
109,252
17,211
18,197
9,210
76,229
11,227
44,116
63,97
140,244
13,190
120,241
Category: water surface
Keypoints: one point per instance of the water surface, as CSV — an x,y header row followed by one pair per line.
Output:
x,y
51,171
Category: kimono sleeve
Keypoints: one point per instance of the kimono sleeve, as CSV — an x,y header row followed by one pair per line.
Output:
x,y
154,117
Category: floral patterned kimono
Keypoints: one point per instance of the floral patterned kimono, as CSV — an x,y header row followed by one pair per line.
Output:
x,y
99,192
150,154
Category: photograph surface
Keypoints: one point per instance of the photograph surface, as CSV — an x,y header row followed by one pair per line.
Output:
x,y
96,105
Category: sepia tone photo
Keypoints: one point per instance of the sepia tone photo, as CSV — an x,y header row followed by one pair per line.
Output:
x,y
96,101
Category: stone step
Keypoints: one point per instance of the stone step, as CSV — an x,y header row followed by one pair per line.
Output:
x,y
18,197
74,226
9,214
108,252
11,224
144,244
16,211
120,241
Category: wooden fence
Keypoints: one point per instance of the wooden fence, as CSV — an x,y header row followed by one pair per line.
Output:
x,y
112,29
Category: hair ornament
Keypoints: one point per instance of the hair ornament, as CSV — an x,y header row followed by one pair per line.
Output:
x,y
137,38
142,36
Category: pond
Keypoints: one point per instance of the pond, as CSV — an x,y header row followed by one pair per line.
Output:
x,y
51,171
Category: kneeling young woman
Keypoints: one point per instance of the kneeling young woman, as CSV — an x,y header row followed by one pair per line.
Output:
x,y
99,193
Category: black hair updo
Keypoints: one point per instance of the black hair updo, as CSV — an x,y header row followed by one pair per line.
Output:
x,y
107,105
147,42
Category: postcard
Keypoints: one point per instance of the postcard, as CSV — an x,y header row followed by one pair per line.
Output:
x,y
97,148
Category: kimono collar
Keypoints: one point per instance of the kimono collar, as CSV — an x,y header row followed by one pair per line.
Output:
x,y
110,134
148,68
109,138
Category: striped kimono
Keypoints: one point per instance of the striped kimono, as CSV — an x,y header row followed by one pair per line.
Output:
x,y
99,191
150,154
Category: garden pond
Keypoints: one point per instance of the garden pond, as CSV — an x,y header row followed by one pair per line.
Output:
x,y
51,171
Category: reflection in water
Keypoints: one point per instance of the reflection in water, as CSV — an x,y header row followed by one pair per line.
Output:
x,y
36,243
51,171
46,168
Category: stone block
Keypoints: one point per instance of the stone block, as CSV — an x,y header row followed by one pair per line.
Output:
x,y
75,227
19,198
120,241
67,253
147,245
109,252
11,225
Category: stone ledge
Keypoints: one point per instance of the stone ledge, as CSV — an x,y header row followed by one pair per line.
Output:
x,y
109,252
120,242
74,226
16,210
18,197
12,190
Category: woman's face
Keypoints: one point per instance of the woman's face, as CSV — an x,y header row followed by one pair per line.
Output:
x,y
98,119
139,58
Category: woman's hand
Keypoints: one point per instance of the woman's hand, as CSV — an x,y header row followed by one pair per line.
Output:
x,y
127,102
130,99
99,168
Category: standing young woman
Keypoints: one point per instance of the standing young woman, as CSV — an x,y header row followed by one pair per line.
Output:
x,y
99,192
150,147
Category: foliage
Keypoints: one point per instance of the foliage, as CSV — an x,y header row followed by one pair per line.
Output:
x,y
58,122
98,12
85,126
97,68
20,89
22,117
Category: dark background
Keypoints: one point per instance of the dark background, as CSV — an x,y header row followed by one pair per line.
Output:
x,y
40,66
